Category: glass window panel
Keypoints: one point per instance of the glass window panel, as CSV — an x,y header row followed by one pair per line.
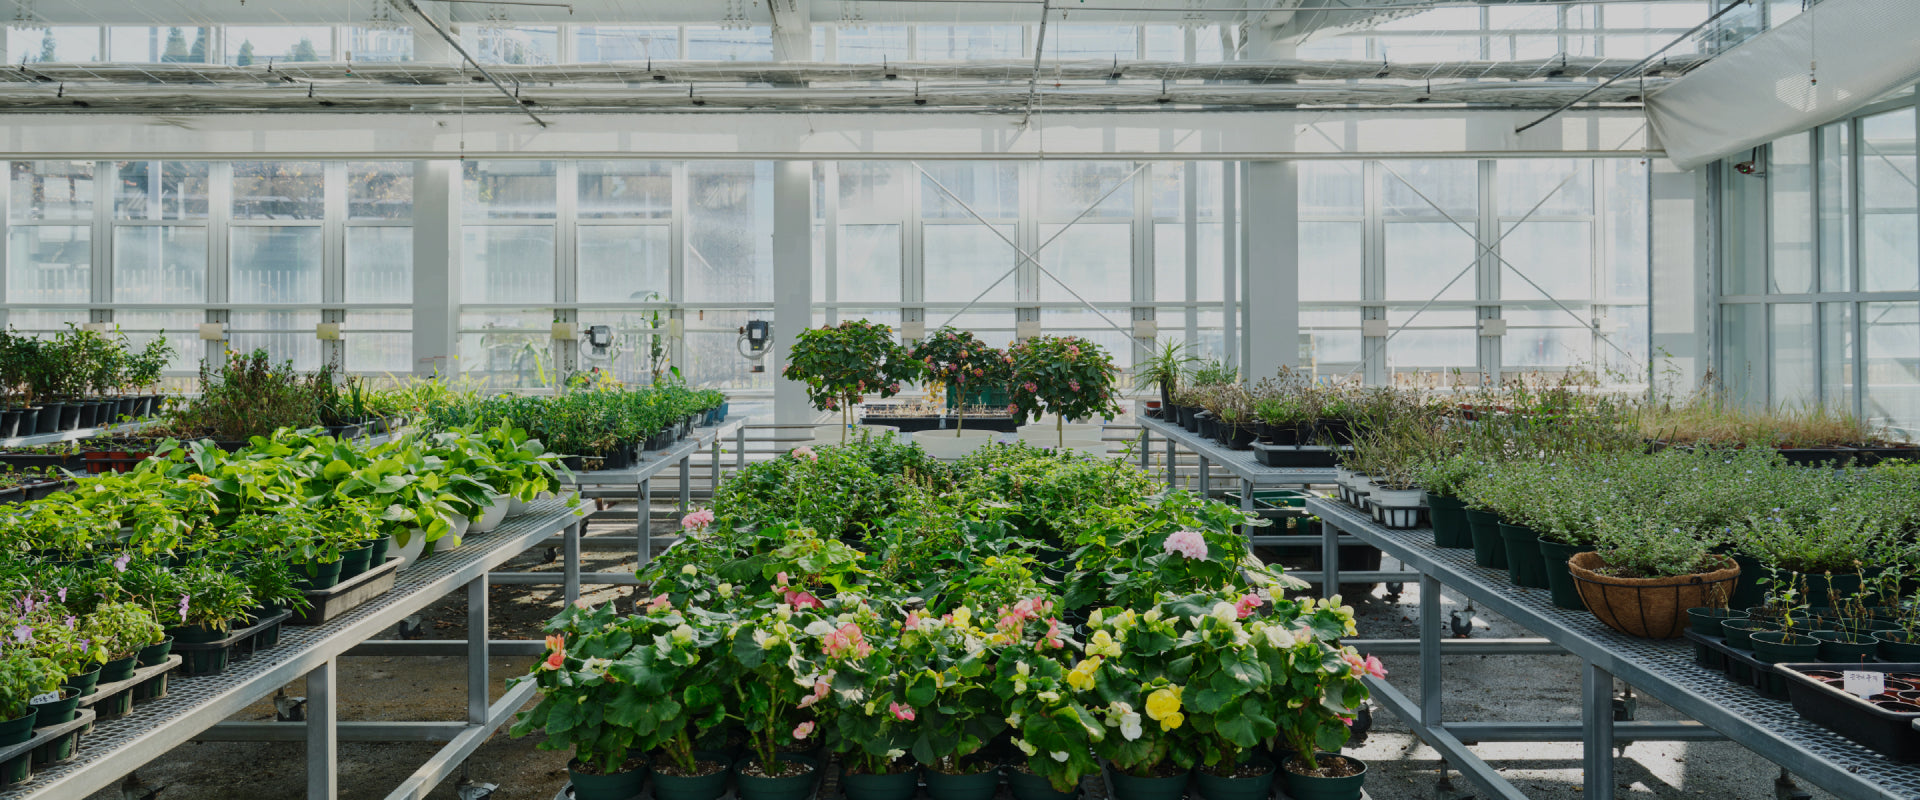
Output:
x,y
1626,229
379,190
1836,354
180,328
508,190
1169,261
52,190
1209,271
819,262
601,43
1335,48
1792,368
869,266
507,263
1836,203
1068,188
625,262
990,188
1430,188
275,264
58,44
872,191
278,190
1332,188
1545,348
713,360
1070,41
1207,194
1523,18
1431,48
249,45
378,45
153,190
1093,259
1890,223
962,260
714,43
1166,183
1558,187
729,231
871,43
379,265
969,42
285,335
1656,15
520,44
1790,186
507,349
1441,19
1166,43
1422,257
1557,257
49,264
1331,261
614,189
1207,45
1510,48
1892,335
152,45
160,264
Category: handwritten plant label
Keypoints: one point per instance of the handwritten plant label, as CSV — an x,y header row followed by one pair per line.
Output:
x,y
1864,684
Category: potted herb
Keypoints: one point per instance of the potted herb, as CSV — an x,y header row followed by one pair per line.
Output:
x,y
1066,376
842,364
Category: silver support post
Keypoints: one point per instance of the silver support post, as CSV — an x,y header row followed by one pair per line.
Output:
x,y
686,482
323,717
477,651
1206,475
1146,447
1430,687
643,526
570,564
714,486
740,448
1596,712
1329,560
1246,496
1173,478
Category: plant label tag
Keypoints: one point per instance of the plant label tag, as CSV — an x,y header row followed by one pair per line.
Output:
x,y
41,699
1864,684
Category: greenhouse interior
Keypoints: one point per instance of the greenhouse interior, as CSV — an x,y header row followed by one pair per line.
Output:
x,y
960,399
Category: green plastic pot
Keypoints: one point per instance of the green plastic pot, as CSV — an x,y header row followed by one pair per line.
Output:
x,y
312,575
1449,517
1897,647
119,669
696,787
1782,647
1820,587
1215,787
54,713
791,787
12,732
1310,787
1489,550
355,563
1028,786
1841,647
1128,787
618,786
153,654
1525,566
977,786
1565,593
1740,631
86,683
898,786
1706,621
379,556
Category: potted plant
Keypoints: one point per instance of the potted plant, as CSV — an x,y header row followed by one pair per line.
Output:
x,y
1646,574
960,714
842,364
1324,688
973,372
122,630
212,599
24,677
1066,376
1170,360
873,724
771,656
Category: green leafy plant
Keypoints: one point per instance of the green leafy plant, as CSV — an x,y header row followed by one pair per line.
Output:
x,y
965,365
1067,376
842,364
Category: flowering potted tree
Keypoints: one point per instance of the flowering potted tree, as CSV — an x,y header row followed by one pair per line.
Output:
x,y
1066,376
966,364
842,364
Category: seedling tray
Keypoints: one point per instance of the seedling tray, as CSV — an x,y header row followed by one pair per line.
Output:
x,y
347,595
82,720
114,700
1741,666
212,658
1889,733
1285,456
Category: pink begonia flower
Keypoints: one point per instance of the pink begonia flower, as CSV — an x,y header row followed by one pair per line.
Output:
x,y
820,689
1247,604
901,712
1030,386
803,730
799,599
1187,543
848,639
780,579
555,661
697,519
1074,385
1053,634
659,603
806,452
913,621
1375,668
1073,350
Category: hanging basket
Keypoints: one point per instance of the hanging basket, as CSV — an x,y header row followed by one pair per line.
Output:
x,y
1652,608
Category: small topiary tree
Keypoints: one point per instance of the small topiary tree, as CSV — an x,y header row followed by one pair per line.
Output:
x,y
842,364
1064,375
963,362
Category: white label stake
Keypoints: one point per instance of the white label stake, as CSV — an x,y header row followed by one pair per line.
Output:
x,y
1864,684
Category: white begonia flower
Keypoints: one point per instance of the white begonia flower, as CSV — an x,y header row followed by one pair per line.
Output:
x,y
1130,725
895,754
761,637
689,570
595,667
725,590
683,634
783,611
1013,720
1225,612
1051,697
1152,615
819,627
1059,755
1280,637
1097,617
1025,747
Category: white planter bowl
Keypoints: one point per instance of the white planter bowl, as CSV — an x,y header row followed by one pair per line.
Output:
x,y
491,514
409,553
516,506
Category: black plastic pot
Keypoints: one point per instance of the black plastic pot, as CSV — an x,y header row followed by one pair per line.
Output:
x,y
1238,438
1214,787
1449,518
1525,565
49,421
29,421
1840,647
976,786
1566,594
69,416
1489,550
313,575
9,423
617,786
1707,621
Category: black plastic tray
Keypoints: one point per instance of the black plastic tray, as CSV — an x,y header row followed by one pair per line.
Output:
x,y
114,700
347,595
1889,733
1283,456
242,642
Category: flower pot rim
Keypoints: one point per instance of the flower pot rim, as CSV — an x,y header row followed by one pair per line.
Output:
x,y
1582,565
1319,755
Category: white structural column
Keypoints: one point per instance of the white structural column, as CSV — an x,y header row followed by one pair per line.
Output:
x,y
792,281
436,267
1271,216
1681,284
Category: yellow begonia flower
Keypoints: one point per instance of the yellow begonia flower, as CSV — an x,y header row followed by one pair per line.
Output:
x,y
1081,677
1102,644
961,615
1172,721
1164,703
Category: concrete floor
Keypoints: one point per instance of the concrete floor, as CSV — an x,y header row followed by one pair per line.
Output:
x,y
1401,768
